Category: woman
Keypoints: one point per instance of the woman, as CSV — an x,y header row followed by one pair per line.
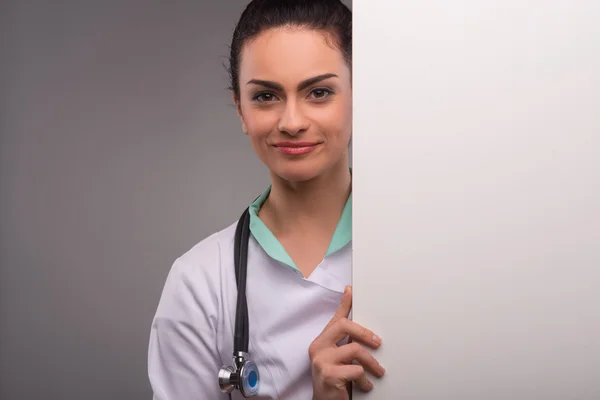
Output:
x,y
290,67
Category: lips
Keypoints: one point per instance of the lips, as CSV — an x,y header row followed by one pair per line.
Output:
x,y
296,148
295,144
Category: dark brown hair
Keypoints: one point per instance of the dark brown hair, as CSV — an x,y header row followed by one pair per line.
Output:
x,y
331,16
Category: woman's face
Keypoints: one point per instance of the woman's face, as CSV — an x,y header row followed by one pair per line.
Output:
x,y
296,102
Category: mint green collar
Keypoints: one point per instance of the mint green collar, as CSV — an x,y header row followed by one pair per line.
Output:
x,y
341,237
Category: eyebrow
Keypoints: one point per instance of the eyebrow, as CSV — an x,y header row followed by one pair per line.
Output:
x,y
302,85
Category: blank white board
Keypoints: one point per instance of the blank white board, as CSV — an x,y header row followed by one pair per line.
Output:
x,y
476,197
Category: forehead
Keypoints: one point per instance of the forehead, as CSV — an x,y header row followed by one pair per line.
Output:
x,y
291,54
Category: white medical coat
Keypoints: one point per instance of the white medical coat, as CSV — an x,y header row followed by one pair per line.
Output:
x,y
192,331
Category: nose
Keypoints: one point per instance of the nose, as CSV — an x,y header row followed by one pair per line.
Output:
x,y
292,120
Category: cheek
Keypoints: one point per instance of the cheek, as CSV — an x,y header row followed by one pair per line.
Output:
x,y
336,122
260,123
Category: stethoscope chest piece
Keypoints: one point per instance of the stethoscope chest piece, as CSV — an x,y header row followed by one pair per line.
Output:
x,y
244,376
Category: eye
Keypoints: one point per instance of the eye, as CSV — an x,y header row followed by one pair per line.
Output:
x,y
320,93
263,97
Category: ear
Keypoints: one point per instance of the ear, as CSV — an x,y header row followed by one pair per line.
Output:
x,y
238,109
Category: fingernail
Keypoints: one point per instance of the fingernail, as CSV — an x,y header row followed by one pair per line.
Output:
x,y
369,385
376,339
346,290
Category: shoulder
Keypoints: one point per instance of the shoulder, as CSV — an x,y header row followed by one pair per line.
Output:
x,y
195,277
183,350
206,257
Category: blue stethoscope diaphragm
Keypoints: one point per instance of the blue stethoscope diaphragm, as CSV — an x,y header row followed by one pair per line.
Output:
x,y
250,378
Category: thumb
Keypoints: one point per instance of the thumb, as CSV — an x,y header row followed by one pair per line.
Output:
x,y
345,305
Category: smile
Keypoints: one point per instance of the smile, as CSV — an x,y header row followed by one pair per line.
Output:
x,y
296,148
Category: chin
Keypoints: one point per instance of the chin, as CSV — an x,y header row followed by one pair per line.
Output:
x,y
297,171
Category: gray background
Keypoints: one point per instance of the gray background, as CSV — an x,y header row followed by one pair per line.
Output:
x,y
119,150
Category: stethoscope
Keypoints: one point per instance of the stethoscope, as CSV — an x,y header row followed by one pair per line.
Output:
x,y
243,375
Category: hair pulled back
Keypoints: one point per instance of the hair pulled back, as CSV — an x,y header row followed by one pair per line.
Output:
x,y
330,16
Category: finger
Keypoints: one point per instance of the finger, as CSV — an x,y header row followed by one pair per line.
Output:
x,y
341,313
343,310
363,383
344,327
354,352
351,373
345,306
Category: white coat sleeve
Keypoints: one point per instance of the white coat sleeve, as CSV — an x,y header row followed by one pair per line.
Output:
x,y
183,361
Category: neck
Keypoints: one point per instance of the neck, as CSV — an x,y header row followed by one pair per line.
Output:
x,y
304,206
